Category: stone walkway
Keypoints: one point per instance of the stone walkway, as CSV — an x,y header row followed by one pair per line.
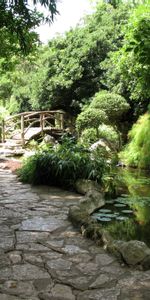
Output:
x,y
43,257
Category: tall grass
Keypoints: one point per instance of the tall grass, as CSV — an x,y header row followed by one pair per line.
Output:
x,y
137,152
62,166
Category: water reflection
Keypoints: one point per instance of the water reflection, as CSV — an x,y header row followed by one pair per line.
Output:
x,y
134,192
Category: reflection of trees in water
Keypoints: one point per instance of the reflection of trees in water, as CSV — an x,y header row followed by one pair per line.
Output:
x,y
138,185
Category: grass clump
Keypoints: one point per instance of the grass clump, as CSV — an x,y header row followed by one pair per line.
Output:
x,y
137,152
62,166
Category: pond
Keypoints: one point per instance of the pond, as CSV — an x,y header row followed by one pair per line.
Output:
x,y
127,217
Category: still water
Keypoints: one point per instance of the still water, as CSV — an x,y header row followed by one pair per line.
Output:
x,y
127,217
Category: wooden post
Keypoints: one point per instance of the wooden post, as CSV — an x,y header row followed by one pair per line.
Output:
x,y
61,121
22,131
44,121
41,122
3,131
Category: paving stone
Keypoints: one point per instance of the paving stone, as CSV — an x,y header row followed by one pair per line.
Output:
x,y
104,259
42,224
34,259
78,282
139,294
15,257
23,272
103,280
19,288
4,259
62,292
59,264
42,256
34,247
72,250
30,236
88,268
43,284
6,241
107,294
8,297
80,258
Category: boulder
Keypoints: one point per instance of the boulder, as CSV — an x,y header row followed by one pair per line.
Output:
x,y
48,139
84,185
133,252
92,200
100,144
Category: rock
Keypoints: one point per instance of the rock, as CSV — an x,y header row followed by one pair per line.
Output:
x,y
77,216
92,200
62,292
48,139
42,224
100,144
83,186
15,257
146,263
133,252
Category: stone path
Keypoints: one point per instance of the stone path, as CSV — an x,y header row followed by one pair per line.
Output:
x,y
43,257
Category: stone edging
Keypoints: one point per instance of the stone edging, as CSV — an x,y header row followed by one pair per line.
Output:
x,y
133,253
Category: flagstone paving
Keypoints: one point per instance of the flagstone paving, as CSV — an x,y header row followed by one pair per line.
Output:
x,y
42,256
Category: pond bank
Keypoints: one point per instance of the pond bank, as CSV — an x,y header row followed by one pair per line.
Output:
x,y
44,257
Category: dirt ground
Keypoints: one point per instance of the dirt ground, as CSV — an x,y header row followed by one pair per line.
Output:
x,y
10,164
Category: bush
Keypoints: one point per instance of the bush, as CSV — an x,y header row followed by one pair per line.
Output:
x,y
90,118
62,166
137,152
88,137
112,104
109,134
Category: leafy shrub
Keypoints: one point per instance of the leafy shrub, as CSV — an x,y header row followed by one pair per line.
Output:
x,y
88,137
62,166
137,152
109,134
112,104
106,132
90,117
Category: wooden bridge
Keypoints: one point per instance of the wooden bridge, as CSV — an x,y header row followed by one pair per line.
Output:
x,y
31,124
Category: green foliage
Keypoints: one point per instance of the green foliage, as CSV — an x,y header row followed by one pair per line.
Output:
x,y
90,118
137,152
112,104
3,113
109,134
106,132
73,72
127,70
88,137
17,23
62,166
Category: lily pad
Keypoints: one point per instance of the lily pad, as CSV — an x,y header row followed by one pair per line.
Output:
x,y
104,219
105,210
121,200
121,218
124,195
127,211
110,201
119,205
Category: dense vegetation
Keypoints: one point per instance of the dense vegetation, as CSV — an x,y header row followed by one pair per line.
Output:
x,y
98,73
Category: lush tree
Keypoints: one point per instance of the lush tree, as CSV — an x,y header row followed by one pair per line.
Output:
x,y
128,69
112,104
90,118
18,20
74,73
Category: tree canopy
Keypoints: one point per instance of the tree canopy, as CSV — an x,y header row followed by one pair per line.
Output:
x,y
17,21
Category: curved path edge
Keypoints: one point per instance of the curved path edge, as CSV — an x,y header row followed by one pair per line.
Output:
x,y
42,256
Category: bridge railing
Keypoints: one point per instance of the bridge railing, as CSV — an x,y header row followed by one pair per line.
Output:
x,y
46,119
